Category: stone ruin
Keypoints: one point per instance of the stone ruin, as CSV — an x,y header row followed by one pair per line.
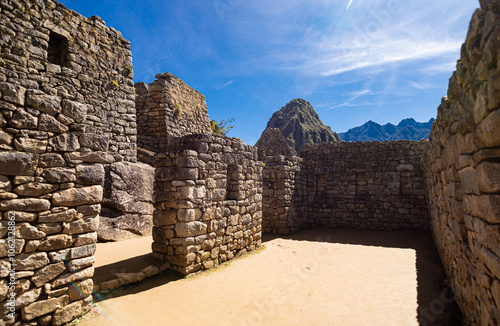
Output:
x,y
72,131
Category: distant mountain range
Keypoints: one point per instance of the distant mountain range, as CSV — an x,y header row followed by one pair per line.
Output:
x,y
407,129
300,124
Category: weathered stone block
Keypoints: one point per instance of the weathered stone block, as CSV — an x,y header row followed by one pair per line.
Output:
x,y
48,273
13,93
190,229
67,142
76,111
488,175
50,160
29,232
31,261
30,145
25,204
35,189
49,123
18,163
56,242
64,216
44,307
78,196
49,104
81,290
59,175
90,174
84,225
94,141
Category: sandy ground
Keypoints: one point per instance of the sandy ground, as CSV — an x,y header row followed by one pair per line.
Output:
x,y
315,277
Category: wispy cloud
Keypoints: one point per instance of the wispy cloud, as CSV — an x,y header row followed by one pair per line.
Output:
x,y
362,93
227,84
421,85
350,3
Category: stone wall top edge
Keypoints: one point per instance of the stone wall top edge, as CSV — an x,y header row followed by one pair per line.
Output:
x,y
309,147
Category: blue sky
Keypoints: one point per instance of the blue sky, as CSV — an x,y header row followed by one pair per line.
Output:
x,y
354,60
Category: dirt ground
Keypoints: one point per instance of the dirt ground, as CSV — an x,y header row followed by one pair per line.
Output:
x,y
314,277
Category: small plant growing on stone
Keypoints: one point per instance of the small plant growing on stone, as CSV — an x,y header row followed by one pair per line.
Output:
x,y
114,83
130,70
119,41
3,63
178,109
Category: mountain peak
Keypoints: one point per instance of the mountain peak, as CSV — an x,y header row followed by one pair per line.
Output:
x,y
300,124
408,129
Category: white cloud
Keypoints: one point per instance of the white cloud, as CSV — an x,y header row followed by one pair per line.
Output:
x,y
362,93
372,34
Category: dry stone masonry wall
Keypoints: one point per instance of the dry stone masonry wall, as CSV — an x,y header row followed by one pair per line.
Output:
x,y
208,203
171,109
463,174
370,185
279,206
66,110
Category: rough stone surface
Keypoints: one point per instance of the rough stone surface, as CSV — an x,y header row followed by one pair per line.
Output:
x,y
67,107
78,196
183,111
462,172
208,195
272,143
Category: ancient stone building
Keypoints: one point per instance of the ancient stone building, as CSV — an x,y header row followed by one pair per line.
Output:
x,y
67,110
208,203
68,154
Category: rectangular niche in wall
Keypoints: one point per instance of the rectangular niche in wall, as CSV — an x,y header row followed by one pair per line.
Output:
x,y
58,48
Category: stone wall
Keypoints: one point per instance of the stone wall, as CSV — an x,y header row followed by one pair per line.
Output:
x,y
463,174
368,185
67,109
280,214
172,109
208,202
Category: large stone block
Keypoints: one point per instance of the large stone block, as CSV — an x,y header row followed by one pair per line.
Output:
x,y
90,174
25,204
78,196
35,189
48,273
190,229
31,261
18,163
49,104
49,123
64,216
127,185
75,110
56,242
488,175
13,93
67,142
44,307
59,175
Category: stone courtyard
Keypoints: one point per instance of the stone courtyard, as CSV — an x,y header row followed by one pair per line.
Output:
x,y
86,154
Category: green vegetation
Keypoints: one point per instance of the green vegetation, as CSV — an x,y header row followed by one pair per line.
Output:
x,y
114,83
221,127
130,70
178,109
